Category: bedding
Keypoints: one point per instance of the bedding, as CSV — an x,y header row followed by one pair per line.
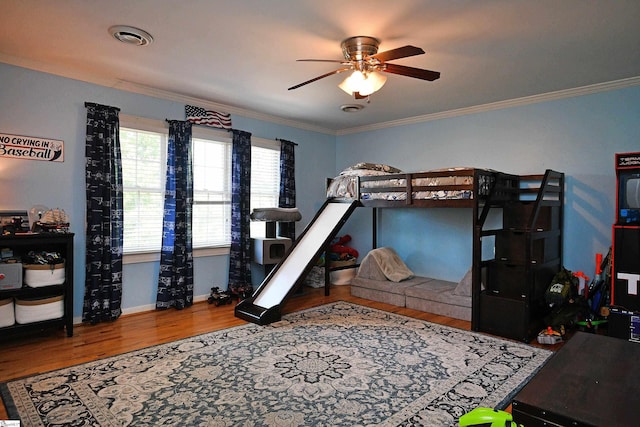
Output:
x,y
345,185
384,182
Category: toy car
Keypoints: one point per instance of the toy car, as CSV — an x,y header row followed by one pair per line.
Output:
x,y
219,297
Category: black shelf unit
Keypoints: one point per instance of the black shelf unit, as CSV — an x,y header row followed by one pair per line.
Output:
x,y
53,242
527,254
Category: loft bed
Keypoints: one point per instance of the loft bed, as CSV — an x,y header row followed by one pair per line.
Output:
x,y
384,186
480,190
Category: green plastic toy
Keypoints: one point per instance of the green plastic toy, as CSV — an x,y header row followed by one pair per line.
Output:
x,y
481,417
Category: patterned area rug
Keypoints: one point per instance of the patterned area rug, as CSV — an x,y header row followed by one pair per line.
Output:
x,y
336,365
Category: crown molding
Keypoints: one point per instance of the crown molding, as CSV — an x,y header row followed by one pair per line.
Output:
x,y
510,103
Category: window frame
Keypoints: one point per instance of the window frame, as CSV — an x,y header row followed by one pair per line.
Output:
x,y
146,125
198,132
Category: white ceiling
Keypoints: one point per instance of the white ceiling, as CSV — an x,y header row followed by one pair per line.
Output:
x,y
241,55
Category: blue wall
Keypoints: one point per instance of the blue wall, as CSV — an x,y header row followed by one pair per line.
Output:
x,y
578,136
47,106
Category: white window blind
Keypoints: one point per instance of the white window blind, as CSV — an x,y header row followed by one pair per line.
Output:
x,y
265,179
211,193
143,171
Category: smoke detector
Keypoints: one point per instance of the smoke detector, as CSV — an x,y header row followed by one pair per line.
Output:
x,y
131,35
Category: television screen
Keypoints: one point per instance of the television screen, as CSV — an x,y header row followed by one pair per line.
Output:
x,y
629,198
632,199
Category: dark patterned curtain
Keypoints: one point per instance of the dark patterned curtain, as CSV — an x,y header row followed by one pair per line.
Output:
x,y
103,178
240,252
175,281
287,197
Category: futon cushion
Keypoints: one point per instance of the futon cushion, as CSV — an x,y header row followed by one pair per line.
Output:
x,y
464,286
438,291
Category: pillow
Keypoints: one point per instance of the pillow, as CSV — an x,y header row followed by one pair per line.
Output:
x,y
464,286
363,166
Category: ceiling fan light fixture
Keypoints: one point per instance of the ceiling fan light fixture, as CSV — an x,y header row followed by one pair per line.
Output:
x,y
373,83
352,83
131,35
363,83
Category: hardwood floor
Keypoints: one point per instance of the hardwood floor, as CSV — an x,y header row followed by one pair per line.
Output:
x,y
27,356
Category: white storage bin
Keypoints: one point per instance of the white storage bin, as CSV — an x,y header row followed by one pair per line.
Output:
x,y
7,316
37,310
343,276
38,275
342,271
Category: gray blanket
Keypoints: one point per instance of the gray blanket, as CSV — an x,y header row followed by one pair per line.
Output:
x,y
384,264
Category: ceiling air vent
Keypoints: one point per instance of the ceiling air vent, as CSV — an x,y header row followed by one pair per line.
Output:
x,y
131,35
351,108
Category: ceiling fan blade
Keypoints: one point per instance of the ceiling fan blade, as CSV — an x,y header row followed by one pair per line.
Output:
x,y
339,61
417,73
319,77
358,96
401,52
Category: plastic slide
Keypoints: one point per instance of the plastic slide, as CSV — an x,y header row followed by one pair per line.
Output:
x,y
263,307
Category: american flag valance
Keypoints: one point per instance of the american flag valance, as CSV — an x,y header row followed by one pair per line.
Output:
x,y
200,116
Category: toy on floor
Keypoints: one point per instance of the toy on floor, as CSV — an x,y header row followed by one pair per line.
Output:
x,y
219,297
338,247
481,417
550,335
242,292
339,251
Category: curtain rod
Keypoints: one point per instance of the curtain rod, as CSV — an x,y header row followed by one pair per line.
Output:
x,y
231,130
89,104
217,128
280,139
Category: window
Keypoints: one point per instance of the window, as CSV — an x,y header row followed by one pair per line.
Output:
x,y
144,148
143,173
265,180
211,193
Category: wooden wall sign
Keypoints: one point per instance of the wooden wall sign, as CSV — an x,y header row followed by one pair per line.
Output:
x,y
31,148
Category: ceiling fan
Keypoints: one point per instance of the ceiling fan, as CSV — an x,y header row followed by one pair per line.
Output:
x,y
361,55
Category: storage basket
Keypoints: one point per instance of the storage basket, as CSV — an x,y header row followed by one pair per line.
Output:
x,y
39,309
10,276
343,276
7,316
38,275
341,272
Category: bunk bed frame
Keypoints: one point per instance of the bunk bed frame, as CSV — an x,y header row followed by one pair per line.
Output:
x,y
484,190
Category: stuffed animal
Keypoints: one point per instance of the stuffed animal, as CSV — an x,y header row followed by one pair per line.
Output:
x,y
338,247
